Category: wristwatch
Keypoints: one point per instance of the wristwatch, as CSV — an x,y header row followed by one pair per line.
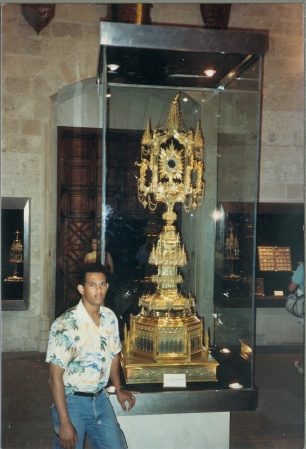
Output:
x,y
119,390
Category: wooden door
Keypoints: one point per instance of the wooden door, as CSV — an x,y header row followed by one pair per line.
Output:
x,y
79,203
79,206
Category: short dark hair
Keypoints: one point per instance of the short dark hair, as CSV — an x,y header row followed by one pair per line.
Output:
x,y
91,268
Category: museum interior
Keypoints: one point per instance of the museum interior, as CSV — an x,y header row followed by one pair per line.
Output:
x,y
172,135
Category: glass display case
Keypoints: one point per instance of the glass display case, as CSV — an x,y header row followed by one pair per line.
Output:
x,y
15,244
216,77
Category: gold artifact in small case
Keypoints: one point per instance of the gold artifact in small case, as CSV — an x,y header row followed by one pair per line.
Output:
x,y
274,258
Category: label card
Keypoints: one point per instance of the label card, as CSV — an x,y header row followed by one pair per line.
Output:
x,y
174,380
278,293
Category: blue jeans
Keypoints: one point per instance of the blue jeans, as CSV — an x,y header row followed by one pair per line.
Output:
x,y
94,417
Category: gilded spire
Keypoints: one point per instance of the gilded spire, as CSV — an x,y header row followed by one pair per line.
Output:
x,y
198,139
147,136
175,121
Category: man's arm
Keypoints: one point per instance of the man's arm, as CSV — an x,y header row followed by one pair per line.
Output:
x,y
67,433
109,262
292,286
123,396
297,278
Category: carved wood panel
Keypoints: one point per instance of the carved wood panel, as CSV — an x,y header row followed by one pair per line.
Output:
x,y
79,196
123,149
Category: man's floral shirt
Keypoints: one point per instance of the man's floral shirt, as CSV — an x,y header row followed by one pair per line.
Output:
x,y
83,349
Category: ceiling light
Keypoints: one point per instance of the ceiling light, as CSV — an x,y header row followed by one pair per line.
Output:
x,y
210,72
113,67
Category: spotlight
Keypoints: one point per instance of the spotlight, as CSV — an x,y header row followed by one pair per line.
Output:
x,y
210,72
113,67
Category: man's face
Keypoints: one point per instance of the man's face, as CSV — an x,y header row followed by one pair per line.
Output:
x,y
94,291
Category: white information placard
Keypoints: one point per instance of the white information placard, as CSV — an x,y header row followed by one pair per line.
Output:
x,y
174,380
278,293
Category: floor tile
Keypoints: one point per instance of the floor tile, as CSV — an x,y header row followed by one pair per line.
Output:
x,y
278,422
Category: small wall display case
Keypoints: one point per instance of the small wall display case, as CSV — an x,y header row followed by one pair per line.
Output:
x,y
274,258
15,216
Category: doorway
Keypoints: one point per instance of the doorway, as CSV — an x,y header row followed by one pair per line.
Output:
x,y
79,207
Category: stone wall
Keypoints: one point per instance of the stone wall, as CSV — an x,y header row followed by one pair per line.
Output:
x,y
36,67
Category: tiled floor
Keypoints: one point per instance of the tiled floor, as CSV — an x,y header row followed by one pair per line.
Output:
x,y
276,424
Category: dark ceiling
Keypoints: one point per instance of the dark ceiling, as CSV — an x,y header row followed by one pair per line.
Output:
x,y
177,56
172,68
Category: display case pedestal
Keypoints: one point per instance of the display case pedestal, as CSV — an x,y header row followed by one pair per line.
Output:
x,y
188,430
196,417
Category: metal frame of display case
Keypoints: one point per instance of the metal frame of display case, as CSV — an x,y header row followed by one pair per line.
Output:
x,y
197,397
184,39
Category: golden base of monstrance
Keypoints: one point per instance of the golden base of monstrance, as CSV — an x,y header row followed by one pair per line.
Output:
x,y
166,345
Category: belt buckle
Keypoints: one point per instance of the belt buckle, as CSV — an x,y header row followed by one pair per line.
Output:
x,y
98,392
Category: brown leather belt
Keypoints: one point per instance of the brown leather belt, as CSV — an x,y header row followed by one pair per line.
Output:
x,y
89,395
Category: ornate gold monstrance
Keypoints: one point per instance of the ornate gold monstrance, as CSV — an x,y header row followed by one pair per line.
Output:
x,y
15,259
167,336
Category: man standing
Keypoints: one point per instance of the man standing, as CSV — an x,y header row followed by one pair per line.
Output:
x,y
83,354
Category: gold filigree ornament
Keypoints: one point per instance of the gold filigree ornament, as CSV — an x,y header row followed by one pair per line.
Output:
x,y
171,164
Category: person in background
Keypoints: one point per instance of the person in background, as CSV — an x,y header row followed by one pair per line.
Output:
x,y
298,283
298,279
142,257
83,354
93,256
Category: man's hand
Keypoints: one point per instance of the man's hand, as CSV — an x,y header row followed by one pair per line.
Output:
x,y
67,436
125,396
